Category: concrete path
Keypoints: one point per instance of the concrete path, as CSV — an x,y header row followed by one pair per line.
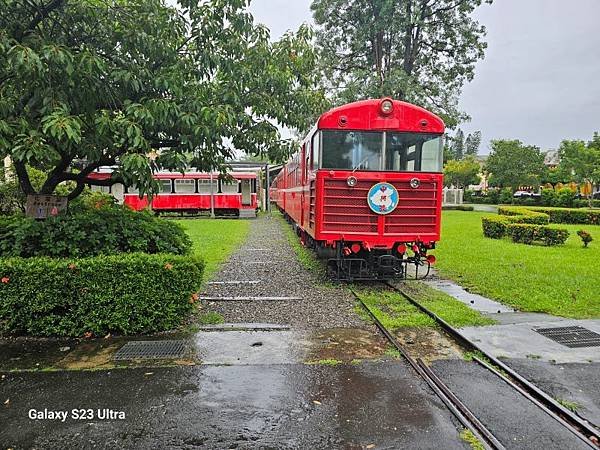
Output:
x,y
571,375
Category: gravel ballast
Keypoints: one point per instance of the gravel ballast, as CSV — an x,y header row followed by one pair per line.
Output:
x,y
268,257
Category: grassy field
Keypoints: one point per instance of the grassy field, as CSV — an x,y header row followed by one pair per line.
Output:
x,y
395,312
560,280
215,239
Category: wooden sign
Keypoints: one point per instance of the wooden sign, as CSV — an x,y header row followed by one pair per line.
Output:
x,y
41,206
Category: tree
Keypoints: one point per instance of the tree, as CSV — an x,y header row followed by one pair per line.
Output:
x,y
462,173
458,144
86,83
414,50
472,143
582,161
513,164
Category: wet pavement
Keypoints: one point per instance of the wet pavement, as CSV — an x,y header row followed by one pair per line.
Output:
x,y
515,421
570,375
575,383
379,405
299,370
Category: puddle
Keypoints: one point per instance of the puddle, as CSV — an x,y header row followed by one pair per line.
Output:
x,y
474,301
60,354
346,344
429,344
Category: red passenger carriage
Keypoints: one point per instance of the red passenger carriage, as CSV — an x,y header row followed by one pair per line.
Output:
x,y
365,189
191,192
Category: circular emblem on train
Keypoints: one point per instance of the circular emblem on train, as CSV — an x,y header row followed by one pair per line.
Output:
x,y
382,198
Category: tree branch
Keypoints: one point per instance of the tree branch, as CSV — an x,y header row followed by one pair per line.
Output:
x,y
23,176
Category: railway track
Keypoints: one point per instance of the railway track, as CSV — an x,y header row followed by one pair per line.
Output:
x,y
580,428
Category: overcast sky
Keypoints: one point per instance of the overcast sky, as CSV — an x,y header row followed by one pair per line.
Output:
x,y
540,79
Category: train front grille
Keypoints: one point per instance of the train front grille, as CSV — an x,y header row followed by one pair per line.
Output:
x,y
346,209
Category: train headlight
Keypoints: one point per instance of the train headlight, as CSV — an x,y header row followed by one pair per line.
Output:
x,y
351,181
387,106
415,183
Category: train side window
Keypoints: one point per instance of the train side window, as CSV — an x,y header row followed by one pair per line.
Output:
x,y
185,186
131,190
166,186
230,187
204,186
306,161
316,150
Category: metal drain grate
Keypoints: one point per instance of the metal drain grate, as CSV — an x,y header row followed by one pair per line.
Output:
x,y
572,337
151,350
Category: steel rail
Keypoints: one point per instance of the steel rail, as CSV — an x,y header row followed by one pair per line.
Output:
x,y
581,428
460,411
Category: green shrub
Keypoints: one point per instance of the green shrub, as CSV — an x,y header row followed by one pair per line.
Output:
x,y
583,203
548,197
519,214
565,198
494,226
91,231
458,208
131,293
585,236
522,225
506,196
529,234
570,215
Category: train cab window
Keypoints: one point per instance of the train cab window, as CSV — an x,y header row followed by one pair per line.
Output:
x,y
185,186
413,152
204,186
352,150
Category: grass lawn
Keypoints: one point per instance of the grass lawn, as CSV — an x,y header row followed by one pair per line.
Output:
x,y
215,239
560,280
394,311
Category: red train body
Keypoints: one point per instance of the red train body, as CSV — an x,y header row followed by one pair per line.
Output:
x,y
191,192
365,189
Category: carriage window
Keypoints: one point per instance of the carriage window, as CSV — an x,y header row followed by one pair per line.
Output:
x,y
132,190
204,186
165,187
413,152
352,150
230,187
316,146
185,186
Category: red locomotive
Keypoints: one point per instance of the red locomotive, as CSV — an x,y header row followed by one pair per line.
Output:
x,y
365,189
191,192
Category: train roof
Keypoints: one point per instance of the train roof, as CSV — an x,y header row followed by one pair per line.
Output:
x,y
368,115
178,175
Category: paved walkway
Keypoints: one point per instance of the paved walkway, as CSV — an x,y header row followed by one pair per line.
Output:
x,y
567,374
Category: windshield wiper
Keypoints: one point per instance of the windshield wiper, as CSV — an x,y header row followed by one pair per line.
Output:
x,y
360,164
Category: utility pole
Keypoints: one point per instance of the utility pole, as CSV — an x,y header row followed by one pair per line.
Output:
x,y
212,197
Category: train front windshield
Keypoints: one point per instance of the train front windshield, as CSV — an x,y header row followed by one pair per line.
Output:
x,y
389,151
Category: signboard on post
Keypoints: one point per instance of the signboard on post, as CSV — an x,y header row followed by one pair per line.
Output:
x,y
41,206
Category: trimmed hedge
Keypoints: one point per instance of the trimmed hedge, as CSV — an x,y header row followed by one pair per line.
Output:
x,y
556,215
495,226
125,294
457,208
520,214
528,234
90,231
523,225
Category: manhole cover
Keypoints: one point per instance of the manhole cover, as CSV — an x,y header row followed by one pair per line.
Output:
x,y
572,337
151,350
